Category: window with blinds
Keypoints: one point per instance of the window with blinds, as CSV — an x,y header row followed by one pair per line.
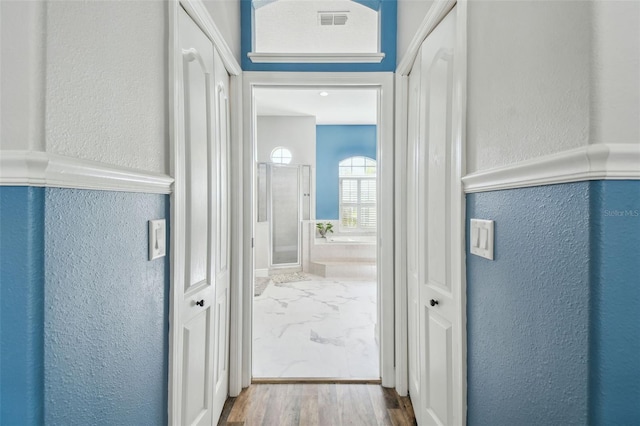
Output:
x,y
358,194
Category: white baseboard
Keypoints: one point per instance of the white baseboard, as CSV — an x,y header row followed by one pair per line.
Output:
x,y
592,162
33,168
262,272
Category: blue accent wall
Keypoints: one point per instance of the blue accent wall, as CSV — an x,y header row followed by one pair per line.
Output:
x,y
21,305
334,144
84,314
527,311
106,319
388,25
553,323
615,348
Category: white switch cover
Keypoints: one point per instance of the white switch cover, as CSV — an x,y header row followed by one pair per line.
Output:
x,y
481,240
157,238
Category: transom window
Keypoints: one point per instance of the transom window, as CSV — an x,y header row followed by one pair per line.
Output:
x,y
281,155
357,177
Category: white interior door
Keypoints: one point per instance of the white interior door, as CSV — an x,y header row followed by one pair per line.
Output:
x,y
197,289
222,249
431,172
437,298
414,196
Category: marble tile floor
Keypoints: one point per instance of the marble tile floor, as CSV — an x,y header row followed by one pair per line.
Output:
x,y
321,328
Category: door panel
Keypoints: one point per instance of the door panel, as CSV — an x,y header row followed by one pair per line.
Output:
x,y
221,212
432,320
196,180
413,197
437,319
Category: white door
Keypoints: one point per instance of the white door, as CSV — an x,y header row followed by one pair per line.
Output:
x,y
201,379
438,329
414,166
222,249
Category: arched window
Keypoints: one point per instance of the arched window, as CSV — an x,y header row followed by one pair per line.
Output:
x,y
357,177
281,155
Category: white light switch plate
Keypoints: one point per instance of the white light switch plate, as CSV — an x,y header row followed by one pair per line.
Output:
x,y
157,238
481,238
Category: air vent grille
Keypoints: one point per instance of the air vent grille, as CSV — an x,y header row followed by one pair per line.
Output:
x,y
332,18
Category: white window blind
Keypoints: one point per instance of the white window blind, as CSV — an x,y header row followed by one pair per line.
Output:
x,y
358,194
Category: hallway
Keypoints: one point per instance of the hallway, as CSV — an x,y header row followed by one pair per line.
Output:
x,y
317,404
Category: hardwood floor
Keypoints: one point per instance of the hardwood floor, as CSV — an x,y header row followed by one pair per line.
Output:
x,y
317,404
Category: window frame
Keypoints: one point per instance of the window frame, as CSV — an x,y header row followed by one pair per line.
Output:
x,y
359,205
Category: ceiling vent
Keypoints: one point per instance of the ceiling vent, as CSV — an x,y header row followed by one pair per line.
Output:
x,y
332,18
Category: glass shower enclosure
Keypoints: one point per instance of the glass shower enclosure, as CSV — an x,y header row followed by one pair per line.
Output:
x,y
284,200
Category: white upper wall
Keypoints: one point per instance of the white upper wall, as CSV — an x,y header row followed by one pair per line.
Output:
x,y
106,85
298,134
616,72
226,15
528,80
410,15
292,26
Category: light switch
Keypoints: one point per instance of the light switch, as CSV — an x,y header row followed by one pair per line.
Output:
x,y
481,241
157,238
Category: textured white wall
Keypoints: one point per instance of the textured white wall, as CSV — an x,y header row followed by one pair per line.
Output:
x,y
106,95
616,72
22,75
411,13
226,15
528,80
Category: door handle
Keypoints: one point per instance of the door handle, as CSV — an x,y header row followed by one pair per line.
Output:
x,y
433,302
200,302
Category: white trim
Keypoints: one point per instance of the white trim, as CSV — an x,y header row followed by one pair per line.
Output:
x,y
436,13
316,58
33,168
591,162
383,82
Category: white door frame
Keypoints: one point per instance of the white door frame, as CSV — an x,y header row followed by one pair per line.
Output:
x,y
198,12
383,82
436,13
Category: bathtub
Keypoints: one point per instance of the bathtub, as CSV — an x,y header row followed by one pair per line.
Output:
x,y
348,239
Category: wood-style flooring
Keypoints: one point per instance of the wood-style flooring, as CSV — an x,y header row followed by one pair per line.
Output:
x,y
317,404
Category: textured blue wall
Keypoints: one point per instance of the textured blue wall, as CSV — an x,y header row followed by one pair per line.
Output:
x,y
615,347
389,23
106,328
528,310
21,305
334,144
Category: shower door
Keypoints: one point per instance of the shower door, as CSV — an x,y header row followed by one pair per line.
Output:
x,y
285,215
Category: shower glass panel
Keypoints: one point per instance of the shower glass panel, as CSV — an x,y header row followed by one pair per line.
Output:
x,y
285,211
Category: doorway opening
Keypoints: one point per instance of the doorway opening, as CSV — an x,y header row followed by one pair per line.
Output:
x,y
315,302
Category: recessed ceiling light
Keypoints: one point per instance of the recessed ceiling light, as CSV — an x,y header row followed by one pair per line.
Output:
x,y
324,93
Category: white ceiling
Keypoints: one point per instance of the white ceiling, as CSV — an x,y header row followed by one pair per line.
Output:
x,y
342,106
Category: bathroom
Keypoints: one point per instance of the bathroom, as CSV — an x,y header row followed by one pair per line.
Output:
x,y
315,304
311,170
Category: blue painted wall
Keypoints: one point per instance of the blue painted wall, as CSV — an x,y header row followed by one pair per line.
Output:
x,y
106,318
554,322
615,348
334,144
528,310
84,314
389,22
21,305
